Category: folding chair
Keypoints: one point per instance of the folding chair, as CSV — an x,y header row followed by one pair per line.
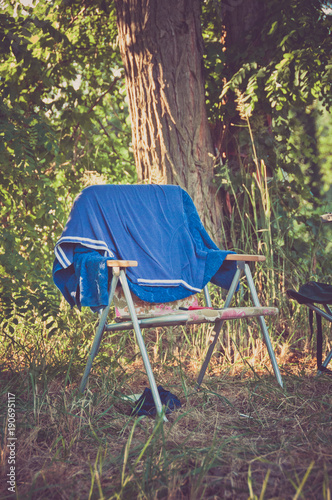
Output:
x,y
106,219
317,297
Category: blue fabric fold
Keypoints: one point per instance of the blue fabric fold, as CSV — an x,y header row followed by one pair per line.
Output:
x,y
91,278
145,404
156,225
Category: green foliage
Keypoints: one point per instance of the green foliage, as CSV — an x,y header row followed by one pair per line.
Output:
x,y
324,145
63,124
290,63
274,91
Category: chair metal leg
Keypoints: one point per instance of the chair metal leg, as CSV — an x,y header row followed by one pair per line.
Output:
x,y
327,314
326,362
242,267
263,326
329,356
209,353
218,327
99,333
207,297
140,340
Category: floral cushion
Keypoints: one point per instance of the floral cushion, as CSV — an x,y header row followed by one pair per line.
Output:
x,y
147,309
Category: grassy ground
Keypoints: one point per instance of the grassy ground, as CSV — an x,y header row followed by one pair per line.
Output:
x,y
241,436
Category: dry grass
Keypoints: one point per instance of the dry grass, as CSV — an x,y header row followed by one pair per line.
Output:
x,y
241,436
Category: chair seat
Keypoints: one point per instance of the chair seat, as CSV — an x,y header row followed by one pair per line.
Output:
x,y
212,315
191,317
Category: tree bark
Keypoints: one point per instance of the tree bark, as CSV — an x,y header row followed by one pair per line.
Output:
x,y
161,48
242,22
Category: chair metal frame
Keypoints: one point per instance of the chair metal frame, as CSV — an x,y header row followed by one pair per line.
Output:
x,y
327,314
178,318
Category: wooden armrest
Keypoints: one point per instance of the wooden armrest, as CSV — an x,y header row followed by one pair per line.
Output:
x,y
122,263
230,256
246,258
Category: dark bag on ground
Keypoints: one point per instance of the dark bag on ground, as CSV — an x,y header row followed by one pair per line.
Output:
x,y
145,404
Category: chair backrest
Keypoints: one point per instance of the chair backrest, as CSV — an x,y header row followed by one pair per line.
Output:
x,y
158,226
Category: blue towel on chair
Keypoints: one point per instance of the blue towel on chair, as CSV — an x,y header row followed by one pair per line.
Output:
x,y
91,278
156,225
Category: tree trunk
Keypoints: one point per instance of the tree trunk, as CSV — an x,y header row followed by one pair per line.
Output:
x,y
241,38
161,48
